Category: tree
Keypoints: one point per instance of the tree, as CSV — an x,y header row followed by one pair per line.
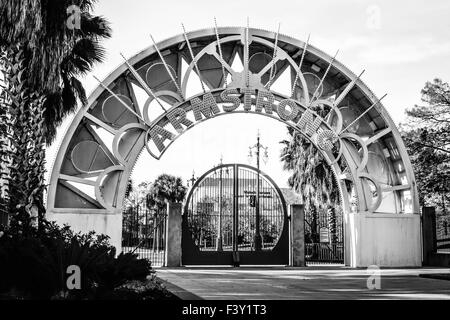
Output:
x,y
40,58
166,188
136,195
427,137
129,188
3,155
311,177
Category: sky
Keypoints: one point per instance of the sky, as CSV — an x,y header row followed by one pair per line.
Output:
x,y
400,44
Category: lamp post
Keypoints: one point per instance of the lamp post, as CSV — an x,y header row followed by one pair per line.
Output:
x,y
190,184
258,146
191,181
219,242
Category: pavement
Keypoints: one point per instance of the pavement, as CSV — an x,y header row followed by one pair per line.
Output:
x,y
284,283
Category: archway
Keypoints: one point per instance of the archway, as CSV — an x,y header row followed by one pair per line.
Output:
x,y
357,138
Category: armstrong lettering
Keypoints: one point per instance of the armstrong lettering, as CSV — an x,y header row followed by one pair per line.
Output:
x,y
250,100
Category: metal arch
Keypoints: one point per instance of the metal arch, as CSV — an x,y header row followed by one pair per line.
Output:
x,y
160,118
55,175
239,165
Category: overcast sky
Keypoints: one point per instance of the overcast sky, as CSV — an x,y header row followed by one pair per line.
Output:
x,y
400,44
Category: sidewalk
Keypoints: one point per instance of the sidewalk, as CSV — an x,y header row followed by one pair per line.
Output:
x,y
302,283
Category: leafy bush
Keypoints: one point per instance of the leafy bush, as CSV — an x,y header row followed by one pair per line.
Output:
x,y
34,263
116,272
151,289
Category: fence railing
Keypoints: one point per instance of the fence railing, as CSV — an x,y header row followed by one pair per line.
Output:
x,y
324,252
143,233
443,245
324,237
442,230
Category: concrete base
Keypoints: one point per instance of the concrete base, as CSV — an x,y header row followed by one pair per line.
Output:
x,y
108,224
297,236
173,235
385,240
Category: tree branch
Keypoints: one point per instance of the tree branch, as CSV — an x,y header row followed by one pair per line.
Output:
x,y
432,147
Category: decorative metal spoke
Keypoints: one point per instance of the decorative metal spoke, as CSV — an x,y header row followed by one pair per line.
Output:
x,y
220,52
193,58
272,63
167,69
347,90
121,101
323,78
362,114
142,82
246,54
299,67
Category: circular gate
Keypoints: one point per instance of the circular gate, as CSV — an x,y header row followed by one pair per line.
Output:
x,y
233,215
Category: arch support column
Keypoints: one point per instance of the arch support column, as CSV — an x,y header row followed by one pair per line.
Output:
x,y
173,235
382,239
297,236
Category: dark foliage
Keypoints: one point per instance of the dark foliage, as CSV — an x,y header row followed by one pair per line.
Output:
x,y
166,188
426,134
34,263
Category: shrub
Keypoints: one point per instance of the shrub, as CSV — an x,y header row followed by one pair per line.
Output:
x,y
115,272
34,263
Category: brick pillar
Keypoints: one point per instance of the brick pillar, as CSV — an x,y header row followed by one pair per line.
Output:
x,y
428,233
173,235
297,236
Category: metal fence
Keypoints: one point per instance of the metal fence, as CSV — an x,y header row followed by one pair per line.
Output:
x,y
442,230
324,253
143,233
324,238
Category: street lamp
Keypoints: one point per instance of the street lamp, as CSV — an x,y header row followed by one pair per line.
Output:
x,y
258,146
219,245
191,181
190,184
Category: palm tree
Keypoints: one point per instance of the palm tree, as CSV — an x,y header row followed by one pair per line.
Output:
x,y
84,54
166,188
313,178
3,155
40,60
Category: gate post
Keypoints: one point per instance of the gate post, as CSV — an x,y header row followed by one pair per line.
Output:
x,y
297,236
428,233
173,235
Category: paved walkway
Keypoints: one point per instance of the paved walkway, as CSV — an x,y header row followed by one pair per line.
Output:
x,y
302,283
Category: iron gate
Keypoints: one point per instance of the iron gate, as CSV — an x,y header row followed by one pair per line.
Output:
x,y
226,223
143,233
324,238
